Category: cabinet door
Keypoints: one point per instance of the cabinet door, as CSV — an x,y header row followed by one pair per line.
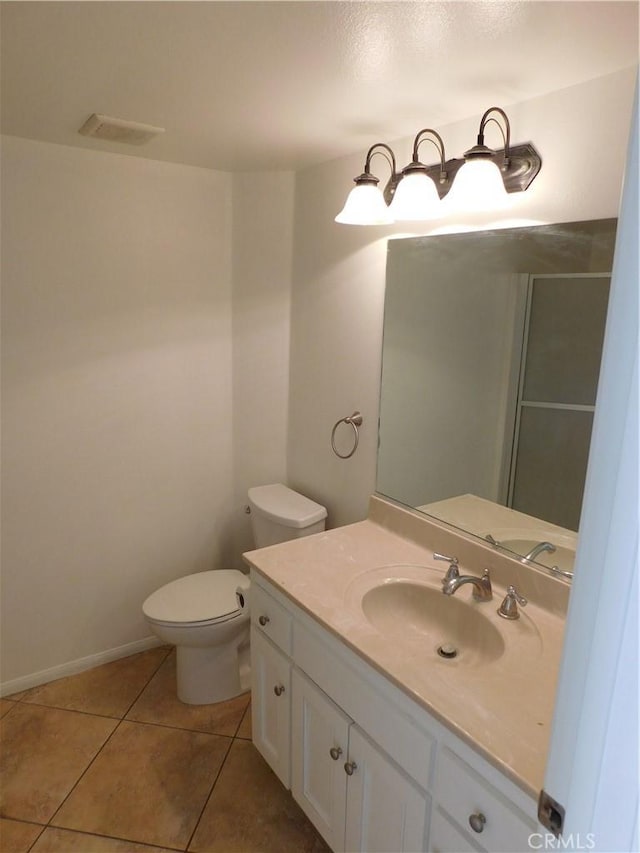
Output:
x,y
386,813
320,732
271,705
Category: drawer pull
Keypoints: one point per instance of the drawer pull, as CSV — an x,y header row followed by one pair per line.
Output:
x,y
263,620
350,767
278,689
335,752
477,821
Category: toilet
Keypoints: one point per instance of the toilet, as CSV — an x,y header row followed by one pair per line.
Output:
x,y
206,615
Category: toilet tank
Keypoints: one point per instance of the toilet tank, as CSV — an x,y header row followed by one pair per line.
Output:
x,y
279,514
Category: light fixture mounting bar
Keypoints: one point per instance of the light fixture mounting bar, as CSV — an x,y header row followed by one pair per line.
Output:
x,y
523,166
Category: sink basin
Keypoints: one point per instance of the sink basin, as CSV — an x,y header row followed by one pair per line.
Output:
x,y
420,614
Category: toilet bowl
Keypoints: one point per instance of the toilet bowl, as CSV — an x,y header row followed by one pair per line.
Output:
x,y
206,615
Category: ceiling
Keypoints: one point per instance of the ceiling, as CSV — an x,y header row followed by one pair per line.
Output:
x,y
282,85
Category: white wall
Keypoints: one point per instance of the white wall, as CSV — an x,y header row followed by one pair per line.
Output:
x,y
117,400
339,271
262,251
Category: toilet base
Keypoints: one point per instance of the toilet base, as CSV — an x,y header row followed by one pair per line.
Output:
x,y
211,674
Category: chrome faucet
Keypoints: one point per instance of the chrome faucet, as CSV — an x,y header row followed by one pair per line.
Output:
x,y
481,586
537,550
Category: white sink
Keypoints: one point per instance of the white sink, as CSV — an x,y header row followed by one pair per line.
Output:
x,y
406,605
452,627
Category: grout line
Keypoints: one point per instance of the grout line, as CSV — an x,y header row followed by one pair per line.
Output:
x,y
206,802
82,775
111,837
177,728
71,710
32,823
246,711
149,680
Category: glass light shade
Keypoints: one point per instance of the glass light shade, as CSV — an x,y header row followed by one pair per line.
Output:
x,y
416,198
478,185
365,205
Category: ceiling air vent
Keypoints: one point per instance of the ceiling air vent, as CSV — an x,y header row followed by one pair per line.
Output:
x,y
119,130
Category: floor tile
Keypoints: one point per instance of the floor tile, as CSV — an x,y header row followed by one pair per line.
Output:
x,y
16,836
148,784
108,689
65,841
244,730
5,706
43,751
159,703
250,810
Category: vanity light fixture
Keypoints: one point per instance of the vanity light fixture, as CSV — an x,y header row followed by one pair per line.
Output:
x,y
416,196
366,204
410,196
479,182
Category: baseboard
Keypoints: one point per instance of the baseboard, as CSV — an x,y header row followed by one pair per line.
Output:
x,y
73,667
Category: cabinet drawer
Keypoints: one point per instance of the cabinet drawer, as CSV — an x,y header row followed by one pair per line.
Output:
x,y
271,618
461,793
445,837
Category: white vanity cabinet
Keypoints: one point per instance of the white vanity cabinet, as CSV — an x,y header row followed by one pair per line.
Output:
x,y
372,769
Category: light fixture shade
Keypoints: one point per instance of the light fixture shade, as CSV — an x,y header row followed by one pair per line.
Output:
x,y
478,185
365,205
416,198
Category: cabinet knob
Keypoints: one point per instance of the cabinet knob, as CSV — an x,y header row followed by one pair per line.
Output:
x,y
278,689
263,620
335,752
477,821
350,767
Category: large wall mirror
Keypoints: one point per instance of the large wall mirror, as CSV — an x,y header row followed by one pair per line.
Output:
x,y
491,355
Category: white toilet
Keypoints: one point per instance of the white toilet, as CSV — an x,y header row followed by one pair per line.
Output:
x,y
206,615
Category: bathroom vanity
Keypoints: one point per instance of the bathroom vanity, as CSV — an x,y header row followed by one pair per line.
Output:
x,y
385,742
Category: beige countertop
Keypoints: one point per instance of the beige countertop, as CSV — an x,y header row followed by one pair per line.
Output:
x,y
503,708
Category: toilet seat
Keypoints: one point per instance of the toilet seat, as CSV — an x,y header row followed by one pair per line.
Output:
x,y
198,599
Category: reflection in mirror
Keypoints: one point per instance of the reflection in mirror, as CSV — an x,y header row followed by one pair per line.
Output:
x,y
491,355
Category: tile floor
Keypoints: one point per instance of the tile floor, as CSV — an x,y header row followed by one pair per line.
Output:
x,y
109,761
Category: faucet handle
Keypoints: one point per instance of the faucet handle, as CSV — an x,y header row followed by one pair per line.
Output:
x,y
453,571
556,571
437,556
509,607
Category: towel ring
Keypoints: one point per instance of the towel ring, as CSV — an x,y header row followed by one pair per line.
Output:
x,y
355,420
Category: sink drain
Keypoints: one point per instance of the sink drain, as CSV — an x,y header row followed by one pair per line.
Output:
x,y
447,650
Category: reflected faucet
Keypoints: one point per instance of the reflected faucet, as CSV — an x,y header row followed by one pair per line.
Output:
x,y
481,586
537,550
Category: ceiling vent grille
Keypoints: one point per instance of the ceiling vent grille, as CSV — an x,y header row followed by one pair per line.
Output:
x,y
119,130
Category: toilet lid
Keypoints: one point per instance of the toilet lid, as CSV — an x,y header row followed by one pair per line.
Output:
x,y
197,598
